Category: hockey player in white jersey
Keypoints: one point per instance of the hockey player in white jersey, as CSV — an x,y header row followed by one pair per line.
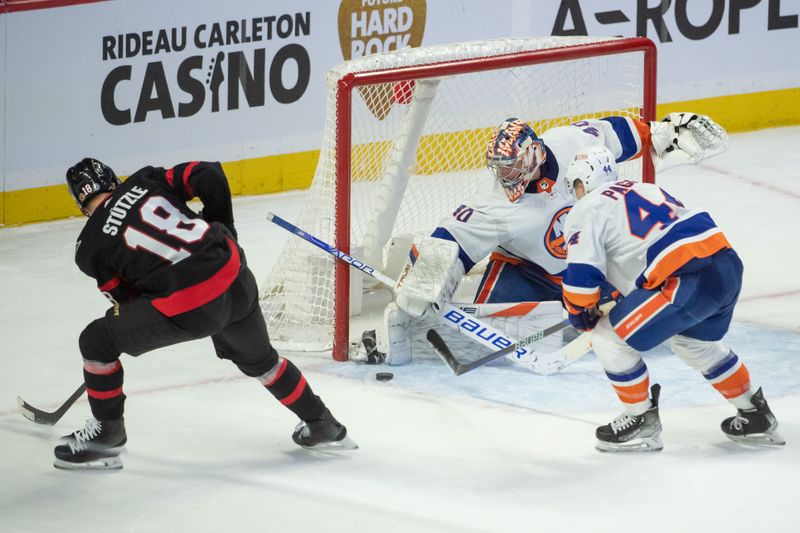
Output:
x,y
680,279
517,221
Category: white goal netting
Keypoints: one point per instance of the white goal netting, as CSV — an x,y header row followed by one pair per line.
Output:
x,y
417,146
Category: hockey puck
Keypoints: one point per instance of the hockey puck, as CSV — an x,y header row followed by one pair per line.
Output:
x,y
384,376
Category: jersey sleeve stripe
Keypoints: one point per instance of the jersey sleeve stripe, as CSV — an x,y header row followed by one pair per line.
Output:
x,y
466,260
170,177
581,299
186,173
581,284
628,136
110,285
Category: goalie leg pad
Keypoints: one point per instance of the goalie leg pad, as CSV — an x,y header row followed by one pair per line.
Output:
x,y
397,335
405,337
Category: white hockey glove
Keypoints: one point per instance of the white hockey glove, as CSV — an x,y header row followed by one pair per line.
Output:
x,y
686,138
431,279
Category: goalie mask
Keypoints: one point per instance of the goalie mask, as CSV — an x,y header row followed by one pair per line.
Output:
x,y
88,178
513,156
593,166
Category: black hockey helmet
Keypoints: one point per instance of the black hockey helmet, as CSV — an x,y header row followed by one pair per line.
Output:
x,y
88,178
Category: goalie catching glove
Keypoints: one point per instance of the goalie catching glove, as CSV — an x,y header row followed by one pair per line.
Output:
x,y
686,138
430,276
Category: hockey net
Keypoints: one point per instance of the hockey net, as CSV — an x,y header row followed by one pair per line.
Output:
x,y
404,144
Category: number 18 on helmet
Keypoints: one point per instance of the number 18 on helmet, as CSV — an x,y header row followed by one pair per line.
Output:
x,y
88,178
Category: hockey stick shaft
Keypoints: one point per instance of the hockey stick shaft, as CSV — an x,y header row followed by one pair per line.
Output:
x,y
335,252
453,317
43,417
460,368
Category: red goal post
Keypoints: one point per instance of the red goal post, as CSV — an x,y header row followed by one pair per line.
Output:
x,y
366,91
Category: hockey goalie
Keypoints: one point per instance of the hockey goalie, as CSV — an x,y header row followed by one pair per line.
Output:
x,y
516,221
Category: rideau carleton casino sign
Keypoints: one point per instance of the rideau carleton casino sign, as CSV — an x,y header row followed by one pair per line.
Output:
x,y
136,91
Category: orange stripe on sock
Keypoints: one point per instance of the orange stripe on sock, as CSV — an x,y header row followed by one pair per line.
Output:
x,y
734,385
633,393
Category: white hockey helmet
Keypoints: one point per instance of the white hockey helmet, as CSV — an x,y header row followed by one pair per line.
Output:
x,y
594,166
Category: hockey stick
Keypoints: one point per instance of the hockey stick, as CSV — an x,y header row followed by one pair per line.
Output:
x,y
43,417
335,252
462,368
453,317
574,350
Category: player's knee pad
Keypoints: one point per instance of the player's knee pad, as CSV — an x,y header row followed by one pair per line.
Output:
x,y
698,354
613,352
97,344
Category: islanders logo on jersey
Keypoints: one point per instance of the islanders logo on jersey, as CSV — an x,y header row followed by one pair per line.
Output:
x,y
554,237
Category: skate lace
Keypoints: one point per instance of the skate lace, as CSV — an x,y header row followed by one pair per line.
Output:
x,y
738,422
83,436
622,422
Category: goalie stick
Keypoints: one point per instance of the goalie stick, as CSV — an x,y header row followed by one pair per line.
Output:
x,y
460,368
43,417
450,315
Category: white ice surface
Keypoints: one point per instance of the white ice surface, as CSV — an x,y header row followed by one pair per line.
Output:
x,y
495,450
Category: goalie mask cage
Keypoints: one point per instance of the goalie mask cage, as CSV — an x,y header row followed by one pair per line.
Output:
x,y
404,144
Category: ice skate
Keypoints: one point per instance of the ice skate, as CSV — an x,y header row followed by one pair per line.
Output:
x,y
633,433
754,426
95,447
325,433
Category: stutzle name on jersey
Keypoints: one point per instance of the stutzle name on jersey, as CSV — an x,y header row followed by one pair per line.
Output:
x,y
120,209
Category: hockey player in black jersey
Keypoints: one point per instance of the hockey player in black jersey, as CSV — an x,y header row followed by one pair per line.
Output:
x,y
172,276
